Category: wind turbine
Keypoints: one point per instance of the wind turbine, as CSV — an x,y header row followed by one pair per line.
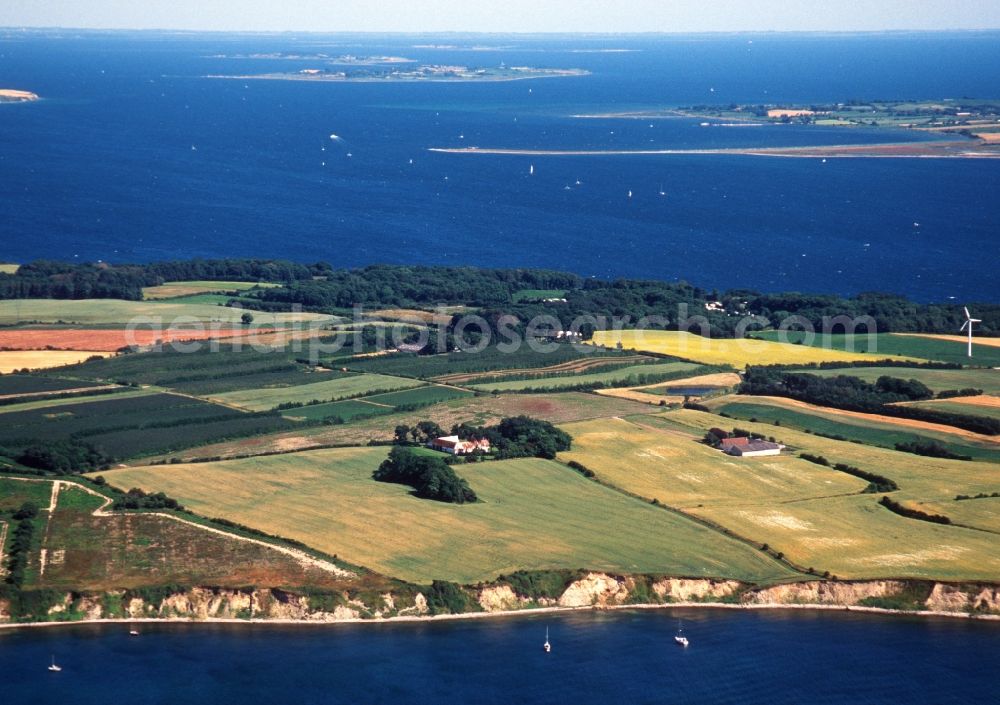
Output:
x,y
969,320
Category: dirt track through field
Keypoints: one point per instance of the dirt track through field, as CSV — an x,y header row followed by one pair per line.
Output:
x,y
301,557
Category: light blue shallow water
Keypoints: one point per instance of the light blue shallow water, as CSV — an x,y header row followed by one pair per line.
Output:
x,y
624,657
133,156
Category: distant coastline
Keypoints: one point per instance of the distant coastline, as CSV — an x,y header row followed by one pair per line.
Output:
x,y
908,150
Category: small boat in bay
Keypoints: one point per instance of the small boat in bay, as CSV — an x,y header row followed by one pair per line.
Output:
x,y
547,646
54,667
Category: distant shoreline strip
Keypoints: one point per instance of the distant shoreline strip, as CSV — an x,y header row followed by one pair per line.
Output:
x,y
944,150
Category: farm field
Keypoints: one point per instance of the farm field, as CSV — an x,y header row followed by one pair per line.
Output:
x,y
533,514
130,423
14,493
7,268
347,410
917,476
202,371
488,360
11,360
620,375
851,536
340,387
994,342
431,394
172,290
116,311
577,366
975,406
937,380
890,345
14,385
982,513
876,430
680,471
133,550
104,339
719,351
54,402
481,411
855,537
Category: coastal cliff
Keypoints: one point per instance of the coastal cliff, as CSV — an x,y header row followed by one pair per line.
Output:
x,y
589,590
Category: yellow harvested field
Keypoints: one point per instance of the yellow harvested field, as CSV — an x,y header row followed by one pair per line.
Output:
x,y
7,268
532,514
781,501
636,394
719,379
189,288
721,351
11,360
978,340
679,471
855,537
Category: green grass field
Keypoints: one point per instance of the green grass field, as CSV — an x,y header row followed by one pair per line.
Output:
x,y
534,514
431,394
937,380
14,493
857,429
347,410
888,345
665,369
114,311
339,387
537,294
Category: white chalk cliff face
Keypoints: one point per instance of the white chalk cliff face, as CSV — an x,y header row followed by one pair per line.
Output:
x,y
598,590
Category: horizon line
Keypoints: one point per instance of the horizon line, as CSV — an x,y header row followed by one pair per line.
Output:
x,y
538,33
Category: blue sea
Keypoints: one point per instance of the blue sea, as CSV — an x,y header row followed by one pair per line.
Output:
x,y
741,657
132,155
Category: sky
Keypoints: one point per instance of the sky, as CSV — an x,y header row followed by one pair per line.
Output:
x,y
505,15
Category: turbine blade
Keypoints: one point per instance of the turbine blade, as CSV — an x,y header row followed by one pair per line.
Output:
x,y
967,314
963,326
975,320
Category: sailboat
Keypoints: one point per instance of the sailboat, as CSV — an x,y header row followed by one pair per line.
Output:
x,y
531,170
679,638
133,631
547,646
54,667
662,192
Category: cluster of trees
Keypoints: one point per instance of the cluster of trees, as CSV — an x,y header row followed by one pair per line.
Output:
x,y
876,483
898,508
20,543
135,498
519,437
931,449
44,279
981,495
430,477
855,394
320,287
952,393
515,437
63,457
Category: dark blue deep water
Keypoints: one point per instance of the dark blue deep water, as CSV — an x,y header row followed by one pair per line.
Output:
x,y
772,657
133,156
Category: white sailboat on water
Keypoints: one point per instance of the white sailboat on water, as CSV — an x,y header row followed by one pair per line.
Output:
x,y
54,667
547,646
679,638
